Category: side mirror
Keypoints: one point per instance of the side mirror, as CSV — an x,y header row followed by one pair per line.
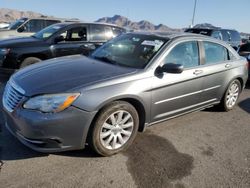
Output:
x,y
59,38
21,29
87,49
172,68
89,46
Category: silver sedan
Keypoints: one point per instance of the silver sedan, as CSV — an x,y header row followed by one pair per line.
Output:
x,y
131,82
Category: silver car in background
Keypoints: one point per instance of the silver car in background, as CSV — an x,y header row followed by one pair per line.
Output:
x,y
131,82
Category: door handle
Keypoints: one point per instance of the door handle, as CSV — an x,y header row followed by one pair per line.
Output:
x,y
228,65
197,72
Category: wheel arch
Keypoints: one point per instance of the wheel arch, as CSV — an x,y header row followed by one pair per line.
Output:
x,y
241,82
36,55
135,102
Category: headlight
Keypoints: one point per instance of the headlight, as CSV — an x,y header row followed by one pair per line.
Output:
x,y
4,51
51,103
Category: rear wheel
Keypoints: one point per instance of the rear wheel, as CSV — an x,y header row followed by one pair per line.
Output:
x,y
114,129
231,95
29,61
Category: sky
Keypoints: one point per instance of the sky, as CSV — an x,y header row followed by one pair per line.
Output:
x,y
229,14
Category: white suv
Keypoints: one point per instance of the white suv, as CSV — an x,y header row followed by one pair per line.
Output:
x,y
27,27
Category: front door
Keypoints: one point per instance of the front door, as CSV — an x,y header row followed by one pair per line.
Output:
x,y
173,94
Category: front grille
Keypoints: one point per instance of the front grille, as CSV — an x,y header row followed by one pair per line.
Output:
x,y
12,96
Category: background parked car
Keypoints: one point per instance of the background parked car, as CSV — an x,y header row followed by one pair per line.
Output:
x,y
4,25
228,35
27,26
244,51
54,41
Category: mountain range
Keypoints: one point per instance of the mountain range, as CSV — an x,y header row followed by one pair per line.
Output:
x,y
9,15
141,25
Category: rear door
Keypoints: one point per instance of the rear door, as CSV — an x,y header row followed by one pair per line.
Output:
x,y
218,62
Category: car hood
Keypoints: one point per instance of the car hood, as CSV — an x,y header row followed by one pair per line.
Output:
x,y
6,33
15,42
64,74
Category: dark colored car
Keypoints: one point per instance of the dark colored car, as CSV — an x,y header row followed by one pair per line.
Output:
x,y
244,51
54,41
230,36
129,83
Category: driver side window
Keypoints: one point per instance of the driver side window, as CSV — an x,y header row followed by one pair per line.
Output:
x,y
186,54
74,35
34,25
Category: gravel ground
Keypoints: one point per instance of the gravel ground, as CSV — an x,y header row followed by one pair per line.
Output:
x,y
201,149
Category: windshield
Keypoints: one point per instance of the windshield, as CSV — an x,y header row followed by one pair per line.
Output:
x,y
48,31
131,50
16,24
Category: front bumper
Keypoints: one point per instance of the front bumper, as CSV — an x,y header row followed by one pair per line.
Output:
x,y
53,132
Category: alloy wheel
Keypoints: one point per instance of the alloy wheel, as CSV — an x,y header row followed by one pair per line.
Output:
x,y
116,130
232,95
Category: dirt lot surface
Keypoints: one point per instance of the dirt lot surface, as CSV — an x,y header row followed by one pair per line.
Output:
x,y
202,149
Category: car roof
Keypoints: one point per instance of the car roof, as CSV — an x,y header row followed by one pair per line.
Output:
x,y
211,29
43,18
171,35
88,23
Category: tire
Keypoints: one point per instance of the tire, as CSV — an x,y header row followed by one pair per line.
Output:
x,y
231,96
115,128
29,61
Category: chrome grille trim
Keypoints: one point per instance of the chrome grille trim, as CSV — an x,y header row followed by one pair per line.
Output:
x,y
13,95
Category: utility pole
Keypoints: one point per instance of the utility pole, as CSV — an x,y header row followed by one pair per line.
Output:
x,y
192,24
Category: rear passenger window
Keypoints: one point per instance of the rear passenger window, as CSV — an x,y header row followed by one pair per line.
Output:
x,y
186,53
215,53
98,33
108,33
117,31
77,34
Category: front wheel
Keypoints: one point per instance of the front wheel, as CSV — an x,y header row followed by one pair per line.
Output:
x,y
29,61
114,129
231,95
